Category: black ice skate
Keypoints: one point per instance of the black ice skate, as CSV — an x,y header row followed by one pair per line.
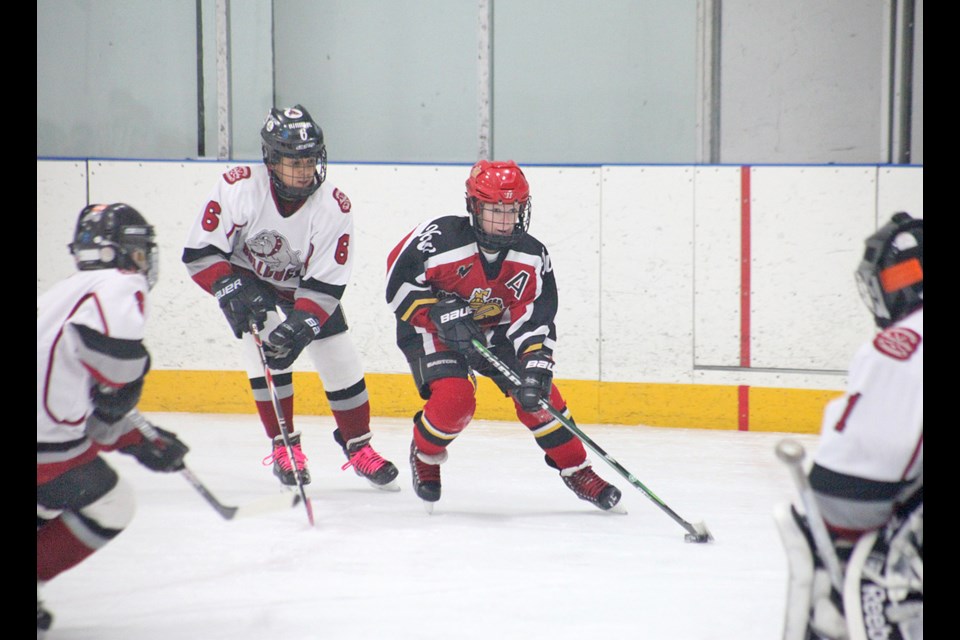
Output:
x,y
367,463
282,468
44,618
588,486
425,471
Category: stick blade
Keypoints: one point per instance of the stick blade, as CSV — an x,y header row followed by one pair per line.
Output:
x,y
268,504
701,534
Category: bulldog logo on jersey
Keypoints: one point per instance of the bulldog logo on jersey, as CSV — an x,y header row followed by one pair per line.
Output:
x,y
271,257
483,305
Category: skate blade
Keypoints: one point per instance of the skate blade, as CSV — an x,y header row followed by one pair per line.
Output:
x,y
390,486
618,509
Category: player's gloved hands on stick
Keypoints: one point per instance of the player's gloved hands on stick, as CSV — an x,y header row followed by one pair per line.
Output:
x,y
241,301
285,343
536,380
455,325
164,453
111,404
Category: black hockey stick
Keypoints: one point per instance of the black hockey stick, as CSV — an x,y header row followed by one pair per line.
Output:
x,y
792,453
695,532
264,505
278,410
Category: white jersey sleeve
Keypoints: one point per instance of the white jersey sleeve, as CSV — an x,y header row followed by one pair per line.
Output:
x,y
90,330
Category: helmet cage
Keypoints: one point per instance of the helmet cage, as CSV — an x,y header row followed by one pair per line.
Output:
x,y
890,275
497,241
292,133
115,236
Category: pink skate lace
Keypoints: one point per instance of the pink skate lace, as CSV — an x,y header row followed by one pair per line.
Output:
x,y
365,460
280,456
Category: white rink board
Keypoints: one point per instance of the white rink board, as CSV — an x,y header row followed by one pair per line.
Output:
x,y
808,226
647,274
647,260
61,194
716,272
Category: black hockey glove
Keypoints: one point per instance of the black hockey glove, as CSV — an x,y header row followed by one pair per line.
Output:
x,y
293,335
241,301
536,380
164,454
112,404
456,326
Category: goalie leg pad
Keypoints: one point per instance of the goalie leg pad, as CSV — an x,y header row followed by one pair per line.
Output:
x,y
883,589
800,572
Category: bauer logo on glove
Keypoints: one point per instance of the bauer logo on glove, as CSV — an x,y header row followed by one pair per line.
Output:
x,y
288,340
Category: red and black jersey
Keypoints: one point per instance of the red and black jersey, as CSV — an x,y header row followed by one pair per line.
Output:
x,y
514,295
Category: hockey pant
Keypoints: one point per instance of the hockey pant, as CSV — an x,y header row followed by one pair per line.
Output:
x,y
78,512
447,385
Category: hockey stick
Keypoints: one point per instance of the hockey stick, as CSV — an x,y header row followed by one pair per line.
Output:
x,y
792,453
278,410
695,532
264,505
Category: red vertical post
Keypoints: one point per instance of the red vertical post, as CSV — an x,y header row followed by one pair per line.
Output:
x,y
743,392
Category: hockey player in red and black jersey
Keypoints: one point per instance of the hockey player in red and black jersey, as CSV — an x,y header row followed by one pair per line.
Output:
x,y
867,473
272,244
91,363
457,278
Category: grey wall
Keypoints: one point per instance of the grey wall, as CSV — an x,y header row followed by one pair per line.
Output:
x,y
573,81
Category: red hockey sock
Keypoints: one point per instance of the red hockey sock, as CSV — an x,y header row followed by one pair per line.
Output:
x,y
353,423
58,550
269,417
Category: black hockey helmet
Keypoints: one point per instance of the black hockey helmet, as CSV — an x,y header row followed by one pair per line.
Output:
x,y
292,133
115,236
502,184
890,276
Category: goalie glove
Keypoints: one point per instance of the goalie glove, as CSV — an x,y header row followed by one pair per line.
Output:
x,y
288,340
536,380
241,301
164,453
456,327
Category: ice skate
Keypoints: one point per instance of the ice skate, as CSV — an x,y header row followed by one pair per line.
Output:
x,y
367,463
44,617
282,468
588,486
425,472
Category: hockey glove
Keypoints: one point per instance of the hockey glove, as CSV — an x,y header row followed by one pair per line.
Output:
x,y
285,343
456,326
241,301
164,454
112,404
536,380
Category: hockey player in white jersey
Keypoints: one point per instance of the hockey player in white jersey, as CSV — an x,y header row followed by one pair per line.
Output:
x,y
273,245
867,472
91,363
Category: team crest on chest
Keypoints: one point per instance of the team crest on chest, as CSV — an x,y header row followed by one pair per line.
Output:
x,y
271,257
483,305
897,342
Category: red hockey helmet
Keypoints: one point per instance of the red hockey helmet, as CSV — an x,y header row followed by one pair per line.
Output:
x,y
502,184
